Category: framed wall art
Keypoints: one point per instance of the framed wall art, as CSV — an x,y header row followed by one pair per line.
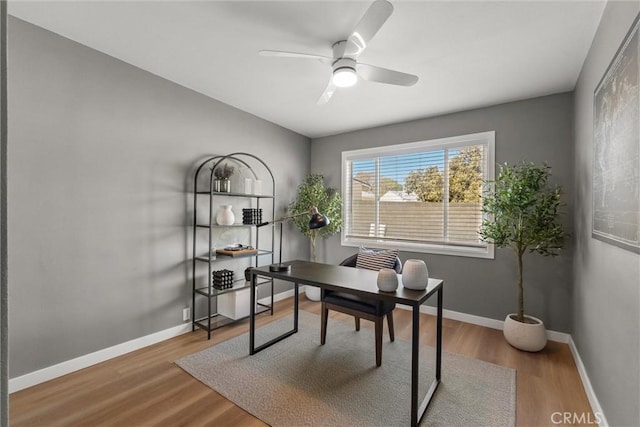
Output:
x,y
616,155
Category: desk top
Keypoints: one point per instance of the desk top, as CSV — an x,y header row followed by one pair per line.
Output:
x,y
358,281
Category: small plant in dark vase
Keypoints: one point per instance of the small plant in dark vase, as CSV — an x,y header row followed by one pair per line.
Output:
x,y
222,183
524,215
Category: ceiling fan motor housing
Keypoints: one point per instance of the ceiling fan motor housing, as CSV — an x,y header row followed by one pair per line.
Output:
x,y
344,72
344,63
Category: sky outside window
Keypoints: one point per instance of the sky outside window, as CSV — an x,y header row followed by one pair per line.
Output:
x,y
398,167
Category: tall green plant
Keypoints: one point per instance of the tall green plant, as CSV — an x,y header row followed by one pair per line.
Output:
x,y
312,192
524,215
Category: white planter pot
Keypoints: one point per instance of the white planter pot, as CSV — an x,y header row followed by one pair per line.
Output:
x,y
312,293
525,336
415,274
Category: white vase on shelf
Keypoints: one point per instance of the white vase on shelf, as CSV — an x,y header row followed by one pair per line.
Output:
x,y
225,215
415,274
248,186
257,187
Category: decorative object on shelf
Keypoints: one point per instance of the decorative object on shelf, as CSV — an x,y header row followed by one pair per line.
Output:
x,y
222,183
317,220
251,216
387,280
524,216
237,251
312,192
247,273
225,215
248,187
235,305
415,274
222,279
257,187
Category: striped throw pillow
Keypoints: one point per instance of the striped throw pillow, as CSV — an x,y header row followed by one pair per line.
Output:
x,y
375,260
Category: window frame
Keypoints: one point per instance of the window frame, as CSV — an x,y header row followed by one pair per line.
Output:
x,y
487,139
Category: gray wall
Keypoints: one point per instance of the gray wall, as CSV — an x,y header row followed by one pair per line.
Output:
x,y
100,154
535,130
4,294
606,295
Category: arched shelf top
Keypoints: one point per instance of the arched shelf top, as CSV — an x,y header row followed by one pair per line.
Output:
x,y
248,160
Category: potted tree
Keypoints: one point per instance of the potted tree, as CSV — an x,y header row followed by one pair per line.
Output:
x,y
524,215
312,192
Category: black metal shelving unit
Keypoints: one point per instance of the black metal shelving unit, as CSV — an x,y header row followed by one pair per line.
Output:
x,y
206,257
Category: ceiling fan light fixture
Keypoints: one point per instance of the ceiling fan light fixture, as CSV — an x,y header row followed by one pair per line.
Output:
x,y
344,77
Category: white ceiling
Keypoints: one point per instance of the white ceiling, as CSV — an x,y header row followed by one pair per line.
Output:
x,y
467,54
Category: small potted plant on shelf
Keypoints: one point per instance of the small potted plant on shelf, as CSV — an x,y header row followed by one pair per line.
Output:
x,y
523,216
222,182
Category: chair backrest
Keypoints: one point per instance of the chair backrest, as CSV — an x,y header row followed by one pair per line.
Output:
x,y
351,262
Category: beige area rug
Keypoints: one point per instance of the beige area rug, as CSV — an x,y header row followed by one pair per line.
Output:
x,y
298,382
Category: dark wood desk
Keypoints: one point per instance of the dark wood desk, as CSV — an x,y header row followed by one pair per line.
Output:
x,y
363,283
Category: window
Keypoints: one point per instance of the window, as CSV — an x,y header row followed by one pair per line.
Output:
x,y
394,196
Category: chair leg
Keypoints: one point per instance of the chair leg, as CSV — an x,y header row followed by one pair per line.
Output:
x,y
357,322
379,324
323,323
390,322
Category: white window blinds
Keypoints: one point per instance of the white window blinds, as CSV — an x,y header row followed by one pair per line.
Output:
x,y
424,196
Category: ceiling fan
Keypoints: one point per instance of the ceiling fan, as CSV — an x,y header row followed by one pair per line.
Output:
x,y
345,66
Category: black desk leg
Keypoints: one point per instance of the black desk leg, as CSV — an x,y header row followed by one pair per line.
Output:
x,y
252,320
415,354
439,334
417,412
296,299
252,316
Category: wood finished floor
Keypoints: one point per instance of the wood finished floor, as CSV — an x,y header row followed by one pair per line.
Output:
x,y
145,387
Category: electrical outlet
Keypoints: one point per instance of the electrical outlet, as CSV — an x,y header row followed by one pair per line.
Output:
x,y
186,314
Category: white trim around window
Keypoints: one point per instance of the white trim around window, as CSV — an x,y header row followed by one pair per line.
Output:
x,y
394,195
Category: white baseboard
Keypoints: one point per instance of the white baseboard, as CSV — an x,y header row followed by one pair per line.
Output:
x,y
277,297
483,321
586,383
55,371
63,368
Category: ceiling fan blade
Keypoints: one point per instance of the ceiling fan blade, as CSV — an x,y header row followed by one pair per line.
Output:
x,y
373,19
281,54
327,94
384,75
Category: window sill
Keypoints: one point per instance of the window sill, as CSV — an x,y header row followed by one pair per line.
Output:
x,y
462,251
